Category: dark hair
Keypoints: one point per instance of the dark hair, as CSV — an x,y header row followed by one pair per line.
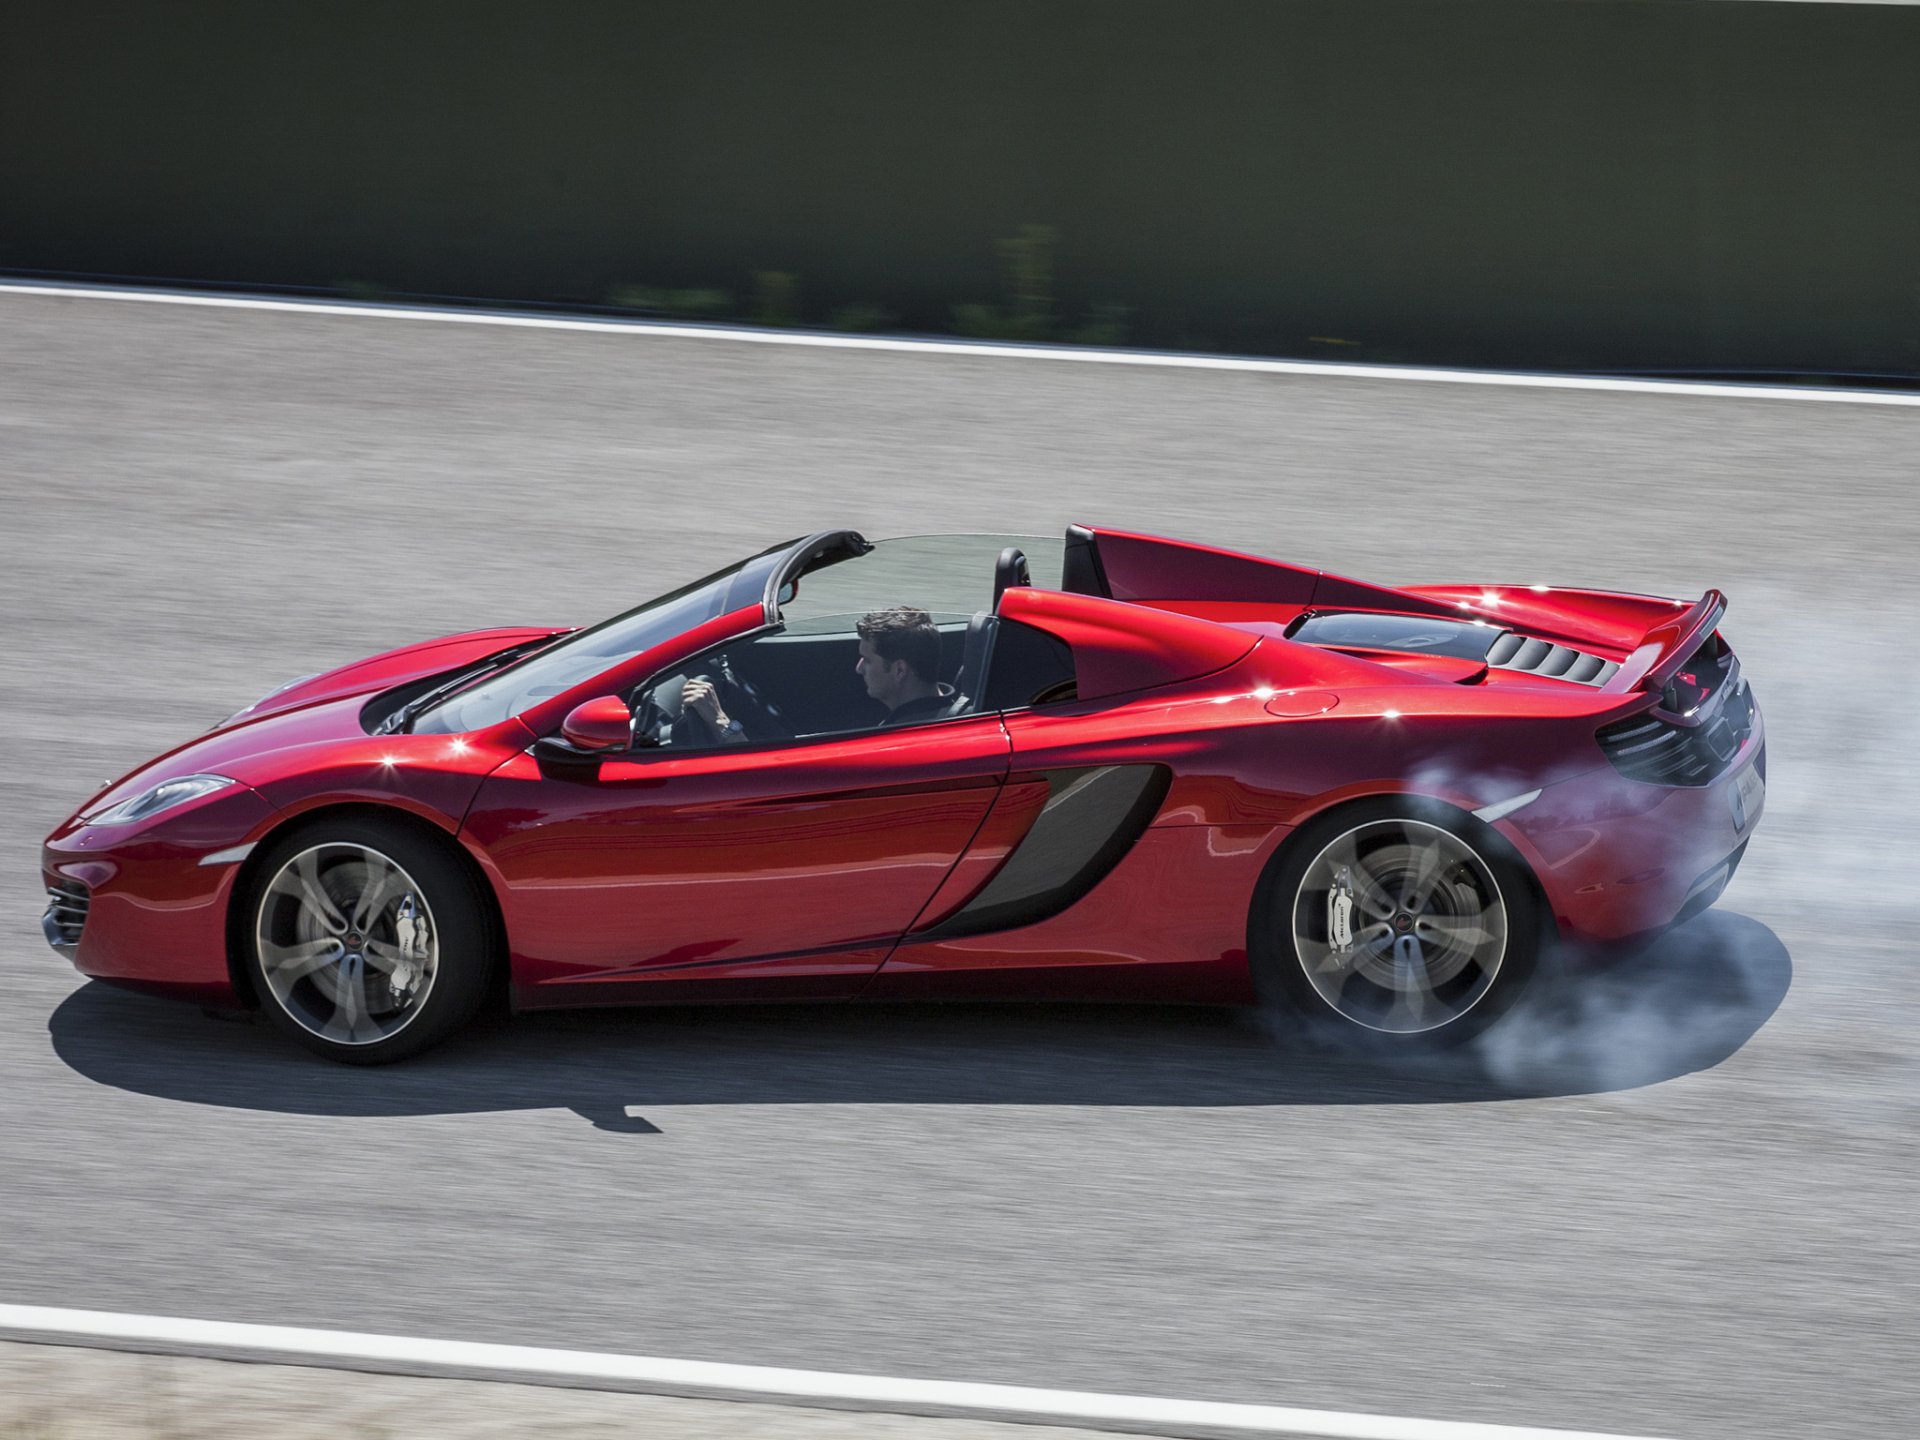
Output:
x,y
904,633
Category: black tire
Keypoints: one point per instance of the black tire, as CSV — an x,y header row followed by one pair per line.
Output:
x,y
1339,986
419,971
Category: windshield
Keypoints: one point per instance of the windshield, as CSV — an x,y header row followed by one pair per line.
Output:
x,y
586,653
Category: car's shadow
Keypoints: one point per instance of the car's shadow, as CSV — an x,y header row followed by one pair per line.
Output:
x,y
1685,1004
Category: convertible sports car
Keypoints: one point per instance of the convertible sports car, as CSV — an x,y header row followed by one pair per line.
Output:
x,y
1145,770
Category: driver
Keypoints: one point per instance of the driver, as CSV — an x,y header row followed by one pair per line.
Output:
x,y
900,663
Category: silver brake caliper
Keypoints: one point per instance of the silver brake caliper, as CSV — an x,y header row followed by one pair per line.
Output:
x,y
1340,911
410,932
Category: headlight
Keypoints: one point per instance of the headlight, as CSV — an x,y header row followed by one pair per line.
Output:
x,y
164,796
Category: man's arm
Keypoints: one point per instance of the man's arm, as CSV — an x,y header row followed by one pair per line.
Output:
x,y
700,697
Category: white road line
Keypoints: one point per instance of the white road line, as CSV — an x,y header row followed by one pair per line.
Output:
x,y
975,349
339,1348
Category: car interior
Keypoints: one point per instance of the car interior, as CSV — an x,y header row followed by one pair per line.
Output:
x,y
800,681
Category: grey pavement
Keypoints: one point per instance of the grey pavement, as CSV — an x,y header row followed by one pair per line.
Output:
x,y
1677,1199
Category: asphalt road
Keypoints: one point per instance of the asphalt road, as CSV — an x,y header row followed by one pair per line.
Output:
x,y
1677,1200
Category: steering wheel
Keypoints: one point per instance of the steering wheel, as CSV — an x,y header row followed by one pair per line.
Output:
x,y
651,722
691,729
663,719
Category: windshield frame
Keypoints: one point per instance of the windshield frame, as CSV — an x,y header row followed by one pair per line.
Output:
x,y
748,598
743,585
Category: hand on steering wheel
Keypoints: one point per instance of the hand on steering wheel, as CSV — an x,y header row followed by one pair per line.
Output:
x,y
699,697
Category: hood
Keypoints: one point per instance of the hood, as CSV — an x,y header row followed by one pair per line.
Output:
x,y
320,710
390,668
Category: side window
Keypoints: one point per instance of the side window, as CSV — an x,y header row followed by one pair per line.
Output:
x,y
799,682
1028,667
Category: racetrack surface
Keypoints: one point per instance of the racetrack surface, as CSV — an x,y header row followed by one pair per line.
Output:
x,y
1675,1199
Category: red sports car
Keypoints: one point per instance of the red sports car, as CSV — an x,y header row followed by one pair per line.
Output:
x,y
959,767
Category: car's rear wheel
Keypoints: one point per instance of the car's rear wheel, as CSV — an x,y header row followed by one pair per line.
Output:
x,y
368,940
1393,926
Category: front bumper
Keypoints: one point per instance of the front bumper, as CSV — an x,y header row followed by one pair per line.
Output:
x,y
141,906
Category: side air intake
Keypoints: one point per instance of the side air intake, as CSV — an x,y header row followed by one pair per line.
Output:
x,y
1091,820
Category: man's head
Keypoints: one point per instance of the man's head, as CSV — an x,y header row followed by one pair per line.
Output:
x,y
899,655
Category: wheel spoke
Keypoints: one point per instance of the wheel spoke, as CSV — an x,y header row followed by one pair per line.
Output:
x,y
1429,865
350,1003
1373,940
1371,896
301,881
1462,930
373,900
384,957
294,962
1411,984
366,1026
1409,1010
1330,962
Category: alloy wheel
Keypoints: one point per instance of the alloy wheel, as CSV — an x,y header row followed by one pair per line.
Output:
x,y
347,943
1400,926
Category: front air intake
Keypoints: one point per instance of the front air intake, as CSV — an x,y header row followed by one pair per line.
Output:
x,y
66,917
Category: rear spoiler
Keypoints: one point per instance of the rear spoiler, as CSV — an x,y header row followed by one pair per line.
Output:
x,y
1667,646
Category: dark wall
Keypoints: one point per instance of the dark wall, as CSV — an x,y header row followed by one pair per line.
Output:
x,y
1581,182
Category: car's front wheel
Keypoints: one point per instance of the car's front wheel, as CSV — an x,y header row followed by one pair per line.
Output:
x,y
1395,927
368,941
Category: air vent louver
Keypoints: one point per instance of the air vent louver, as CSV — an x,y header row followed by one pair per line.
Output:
x,y
67,902
1645,747
1523,653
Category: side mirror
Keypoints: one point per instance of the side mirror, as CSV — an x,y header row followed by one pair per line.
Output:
x,y
603,724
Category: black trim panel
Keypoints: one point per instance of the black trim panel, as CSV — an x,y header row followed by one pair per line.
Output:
x,y
1092,818
1081,572
818,550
